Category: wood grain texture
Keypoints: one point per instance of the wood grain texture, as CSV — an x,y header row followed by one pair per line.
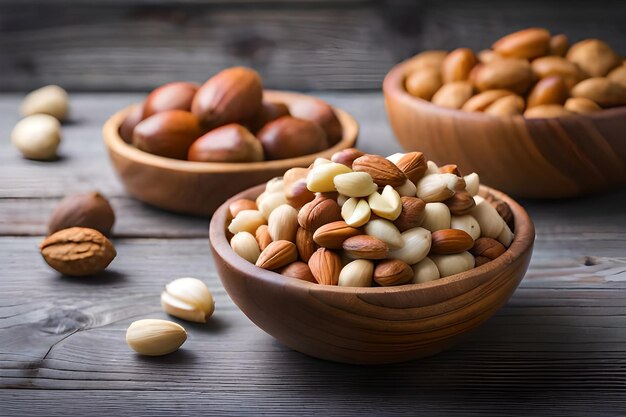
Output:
x,y
557,347
310,44
538,158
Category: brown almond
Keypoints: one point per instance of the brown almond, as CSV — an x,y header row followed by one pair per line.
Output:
x,y
547,111
503,210
427,59
346,156
296,191
305,244
481,101
559,44
413,164
277,254
298,270
322,113
594,57
602,91
618,75
450,169
320,211
449,241
325,266
507,74
460,203
332,235
453,95
169,133
487,248
550,90
581,105
289,137
423,83
412,214
526,44
457,65
365,247
263,237
392,272
506,106
171,96
128,125
487,55
549,66
242,204
268,112
232,95
382,171
89,210
77,251
229,143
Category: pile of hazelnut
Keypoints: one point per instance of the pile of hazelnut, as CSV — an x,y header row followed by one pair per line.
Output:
x,y
529,72
364,220
227,120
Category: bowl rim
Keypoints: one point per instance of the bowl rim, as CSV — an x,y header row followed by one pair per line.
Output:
x,y
522,242
115,143
393,86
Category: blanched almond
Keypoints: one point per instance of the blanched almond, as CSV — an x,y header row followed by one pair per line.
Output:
x,y
385,231
356,212
357,273
245,245
246,221
425,271
355,184
387,205
453,264
436,217
417,243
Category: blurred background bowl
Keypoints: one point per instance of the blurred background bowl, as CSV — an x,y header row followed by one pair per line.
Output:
x,y
532,158
198,188
371,325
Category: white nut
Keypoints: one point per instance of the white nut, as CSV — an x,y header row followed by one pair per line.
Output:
x,y
431,168
155,337
416,246
341,199
491,224
50,99
245,245
436,217
387,205
37,137
453,264
472,183
386,231
467,223
188,299
435,187
275,185
395,157
357,273
425,271
267,202
321,161
506,236
321,177
283,223
356,212
355,184
246,221
408,189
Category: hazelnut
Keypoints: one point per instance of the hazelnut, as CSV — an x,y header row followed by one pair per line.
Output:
x,y
90,210
230,143
322,113
169,133
268,112
288,137
128,125
172,96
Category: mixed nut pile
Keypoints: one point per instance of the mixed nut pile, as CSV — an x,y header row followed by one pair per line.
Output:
x,y
529,72
363,220
227,120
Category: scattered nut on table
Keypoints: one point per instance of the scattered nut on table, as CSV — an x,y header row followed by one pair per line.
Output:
x,y
188,299
37,137
51,99
153,337
91,210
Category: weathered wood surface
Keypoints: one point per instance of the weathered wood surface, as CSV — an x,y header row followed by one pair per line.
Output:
x,y
558,347
310,44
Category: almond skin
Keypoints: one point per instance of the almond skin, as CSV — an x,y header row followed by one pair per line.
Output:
x,y
332,235
449,241
288,137
413,164
486,249
548,66
320,211
412,214
457,65
277,254
321,113
262,236
346,156
595,57
602,91
229,143
171,96
382,171
559,44
392,272
89,210
305,244
460,203
298,270
547,111
527,44
550,90
232,95
325,266
581,105
453,95
481,101
296,191
128,125
423,83
510,105
169,133
268,112
507,74
77,251
239,205
365,247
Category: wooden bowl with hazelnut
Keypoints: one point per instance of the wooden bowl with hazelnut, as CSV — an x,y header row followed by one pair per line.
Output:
x,y
370,325
198,187
535,117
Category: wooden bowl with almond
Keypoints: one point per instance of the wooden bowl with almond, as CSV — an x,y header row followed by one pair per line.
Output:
x,y
370,325
536,117
198,188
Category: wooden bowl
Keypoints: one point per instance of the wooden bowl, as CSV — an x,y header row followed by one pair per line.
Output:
x,y
535,158
371,325
198,188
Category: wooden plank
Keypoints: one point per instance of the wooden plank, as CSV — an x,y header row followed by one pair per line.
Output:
x,y
320,45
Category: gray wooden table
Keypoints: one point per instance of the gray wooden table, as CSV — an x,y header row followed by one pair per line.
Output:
x,y
557,348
